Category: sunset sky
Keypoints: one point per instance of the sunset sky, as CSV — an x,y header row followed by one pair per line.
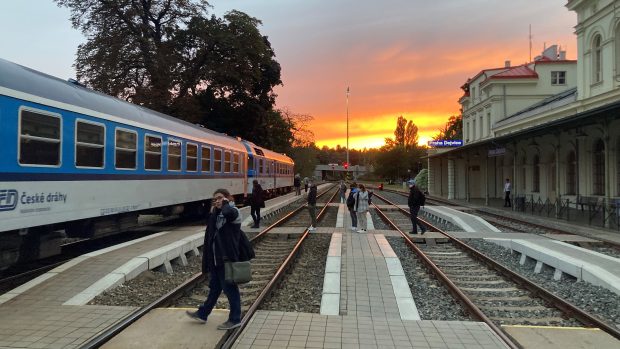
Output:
x,y
399,57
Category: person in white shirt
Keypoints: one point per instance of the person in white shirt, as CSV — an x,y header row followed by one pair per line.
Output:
x,y
507,187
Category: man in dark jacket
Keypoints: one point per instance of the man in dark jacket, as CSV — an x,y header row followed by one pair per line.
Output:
x,y
256,202
312,205
297,184
414,200
221,245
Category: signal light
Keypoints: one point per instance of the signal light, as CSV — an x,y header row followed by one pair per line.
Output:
x,y
346,165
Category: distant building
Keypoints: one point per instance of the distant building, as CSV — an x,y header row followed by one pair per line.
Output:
x,y
552,126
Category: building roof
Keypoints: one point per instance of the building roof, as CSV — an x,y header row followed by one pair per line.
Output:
x,y
518,72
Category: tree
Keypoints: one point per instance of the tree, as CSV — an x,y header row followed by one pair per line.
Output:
x,y
453,130
405,134
399,157
170,56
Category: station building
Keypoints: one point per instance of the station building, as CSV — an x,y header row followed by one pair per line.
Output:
x,y
550,126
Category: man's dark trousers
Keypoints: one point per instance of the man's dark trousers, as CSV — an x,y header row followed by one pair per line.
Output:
x,y
413,212
507,200
217,284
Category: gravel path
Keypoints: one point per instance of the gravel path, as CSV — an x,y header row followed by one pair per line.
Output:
x,y
302,287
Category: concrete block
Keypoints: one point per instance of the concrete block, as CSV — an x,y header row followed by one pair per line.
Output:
x,y
331,283
394,266
333,264
330,304
401,287
601,277
166,267
407,309
133,267
180,260
557,275
538,268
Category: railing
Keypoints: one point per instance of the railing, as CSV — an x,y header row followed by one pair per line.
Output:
x,y
594,210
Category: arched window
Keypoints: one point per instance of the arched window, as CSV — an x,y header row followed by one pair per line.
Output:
x,y
598,170
536,174
571,173
617,49
597,59
552,174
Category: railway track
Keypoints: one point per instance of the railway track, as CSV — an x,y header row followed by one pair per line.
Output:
x,y
275,254
491,292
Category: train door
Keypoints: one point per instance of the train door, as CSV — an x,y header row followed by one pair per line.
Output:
x,y
274,169
250,172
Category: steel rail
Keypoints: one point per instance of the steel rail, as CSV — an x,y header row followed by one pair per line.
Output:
x,y
273,282
456,292
566,307
182,289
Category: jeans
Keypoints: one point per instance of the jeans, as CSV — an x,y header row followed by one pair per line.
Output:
x,y
353,218
312,211
413,212
362,221
217,284
255,212
343,196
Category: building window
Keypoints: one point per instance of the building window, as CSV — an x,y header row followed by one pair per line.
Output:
x,y
89,144
191,157
597,59
39,139
473,127
489,123
125,149
206,159
571,173
174,155
598,170
467,132
558,78
152,153
536,174
617,49
481,127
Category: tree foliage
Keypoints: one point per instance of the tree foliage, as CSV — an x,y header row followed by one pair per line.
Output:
x,y
453,129
171,56
400,157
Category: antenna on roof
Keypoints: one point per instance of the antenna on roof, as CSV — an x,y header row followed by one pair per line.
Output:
x,y
530,37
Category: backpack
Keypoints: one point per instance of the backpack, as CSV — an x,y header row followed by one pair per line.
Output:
x,y
351,200
422,199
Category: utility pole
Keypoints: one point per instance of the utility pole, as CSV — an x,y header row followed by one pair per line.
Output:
x,y
347,174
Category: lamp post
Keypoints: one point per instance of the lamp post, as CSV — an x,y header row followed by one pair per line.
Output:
x,y
347,174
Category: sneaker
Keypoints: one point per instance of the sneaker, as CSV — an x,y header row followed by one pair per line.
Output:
x,y
228,325
194,315
354,228
361,231
423,231
311,228
413,232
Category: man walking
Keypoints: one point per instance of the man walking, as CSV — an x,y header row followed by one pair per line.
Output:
x,y
343,191
414,202
351,206
312,205
297,184
256,202
507,188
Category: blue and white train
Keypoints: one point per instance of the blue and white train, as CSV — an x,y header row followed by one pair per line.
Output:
x,y
75,159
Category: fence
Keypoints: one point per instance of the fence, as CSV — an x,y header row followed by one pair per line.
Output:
x,y
589,209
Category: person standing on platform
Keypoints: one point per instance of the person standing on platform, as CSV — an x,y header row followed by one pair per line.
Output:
x,y
414,202
312,205
256,202
306,183
351,206
297,184
361,207
343,191
507,188
221,245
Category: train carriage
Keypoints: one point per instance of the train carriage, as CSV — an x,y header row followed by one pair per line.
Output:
x,y
88,163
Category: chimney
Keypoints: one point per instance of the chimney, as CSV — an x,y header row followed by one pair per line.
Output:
x,y
506,64
562,55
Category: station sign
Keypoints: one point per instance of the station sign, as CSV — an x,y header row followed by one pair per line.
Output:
x,y
445,143
497,152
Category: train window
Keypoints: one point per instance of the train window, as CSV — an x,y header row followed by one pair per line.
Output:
x,y
268,165
191,157
89,144
206,159
39,139
126,145
217,160
250,163
236,162
260,166
174,154
152,153
227,161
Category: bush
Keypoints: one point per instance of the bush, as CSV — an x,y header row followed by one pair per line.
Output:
x,y
421,180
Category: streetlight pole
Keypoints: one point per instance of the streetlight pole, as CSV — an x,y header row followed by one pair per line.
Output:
x,y
348,131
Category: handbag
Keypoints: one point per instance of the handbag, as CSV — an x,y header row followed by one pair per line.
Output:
x,y
238,272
